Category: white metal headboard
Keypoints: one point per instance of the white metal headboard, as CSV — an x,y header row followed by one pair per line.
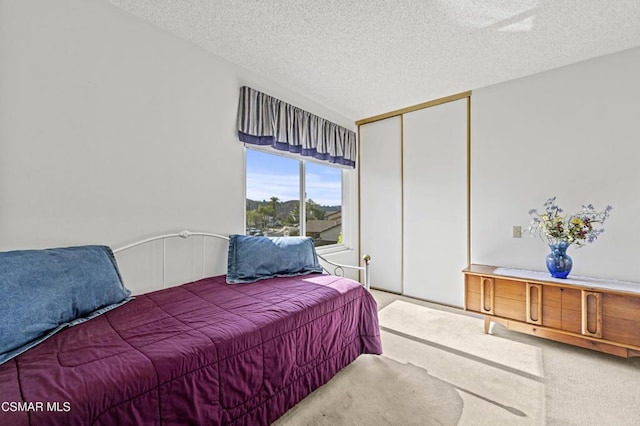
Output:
x,y
338,268
181,234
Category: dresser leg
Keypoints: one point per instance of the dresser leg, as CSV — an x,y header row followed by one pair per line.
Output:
x,y
487,323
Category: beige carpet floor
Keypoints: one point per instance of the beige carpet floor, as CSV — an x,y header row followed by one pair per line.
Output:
x,y
458,333
439,368
376,390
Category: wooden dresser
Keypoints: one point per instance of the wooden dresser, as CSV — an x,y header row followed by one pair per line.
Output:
x,y
587,312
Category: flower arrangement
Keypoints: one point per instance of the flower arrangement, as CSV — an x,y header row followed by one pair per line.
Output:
x,y
578,228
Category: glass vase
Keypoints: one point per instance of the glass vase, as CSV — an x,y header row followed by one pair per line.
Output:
x,y
559,263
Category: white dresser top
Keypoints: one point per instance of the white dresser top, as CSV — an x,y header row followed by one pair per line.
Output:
x,y
595,283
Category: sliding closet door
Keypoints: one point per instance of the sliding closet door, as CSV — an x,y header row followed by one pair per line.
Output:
x,y
435,202
381,201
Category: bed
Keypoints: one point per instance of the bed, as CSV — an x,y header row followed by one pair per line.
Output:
x,y
204,352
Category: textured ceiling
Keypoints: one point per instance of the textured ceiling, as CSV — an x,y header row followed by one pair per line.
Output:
x,y
367,57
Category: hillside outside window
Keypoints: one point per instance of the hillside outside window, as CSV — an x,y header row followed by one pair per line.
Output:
x,y
290,197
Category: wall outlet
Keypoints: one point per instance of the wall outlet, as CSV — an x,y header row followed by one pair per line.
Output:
x,y
517,231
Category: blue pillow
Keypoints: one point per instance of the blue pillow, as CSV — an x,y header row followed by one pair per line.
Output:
x,y
256,258
43,291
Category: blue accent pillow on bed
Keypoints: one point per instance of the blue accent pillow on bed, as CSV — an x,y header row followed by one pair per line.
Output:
x,y
256,258
43,291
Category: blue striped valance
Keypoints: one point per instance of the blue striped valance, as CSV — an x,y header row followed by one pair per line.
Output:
x,y
265,120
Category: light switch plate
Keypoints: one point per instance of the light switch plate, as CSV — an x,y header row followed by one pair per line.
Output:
x,y
517,231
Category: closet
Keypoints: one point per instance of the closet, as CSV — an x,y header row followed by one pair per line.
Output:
x,y
381,201
414,199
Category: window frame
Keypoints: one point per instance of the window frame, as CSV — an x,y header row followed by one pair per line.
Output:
x,y
347,180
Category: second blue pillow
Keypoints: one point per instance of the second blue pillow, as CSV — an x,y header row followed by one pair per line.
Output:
x,y
256,258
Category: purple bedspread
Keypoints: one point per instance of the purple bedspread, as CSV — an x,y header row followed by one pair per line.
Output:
x,y
202,353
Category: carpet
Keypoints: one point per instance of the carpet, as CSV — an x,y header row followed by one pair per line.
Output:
x,y
461,334
499,380
377,390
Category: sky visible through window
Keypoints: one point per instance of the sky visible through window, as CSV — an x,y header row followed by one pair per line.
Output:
x,y
271,175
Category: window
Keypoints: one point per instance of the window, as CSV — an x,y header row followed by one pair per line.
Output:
x,y
274,187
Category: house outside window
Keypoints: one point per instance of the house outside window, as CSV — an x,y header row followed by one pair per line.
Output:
x,y
275,185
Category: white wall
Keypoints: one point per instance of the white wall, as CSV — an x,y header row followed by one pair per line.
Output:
x,y
112,129
572,133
